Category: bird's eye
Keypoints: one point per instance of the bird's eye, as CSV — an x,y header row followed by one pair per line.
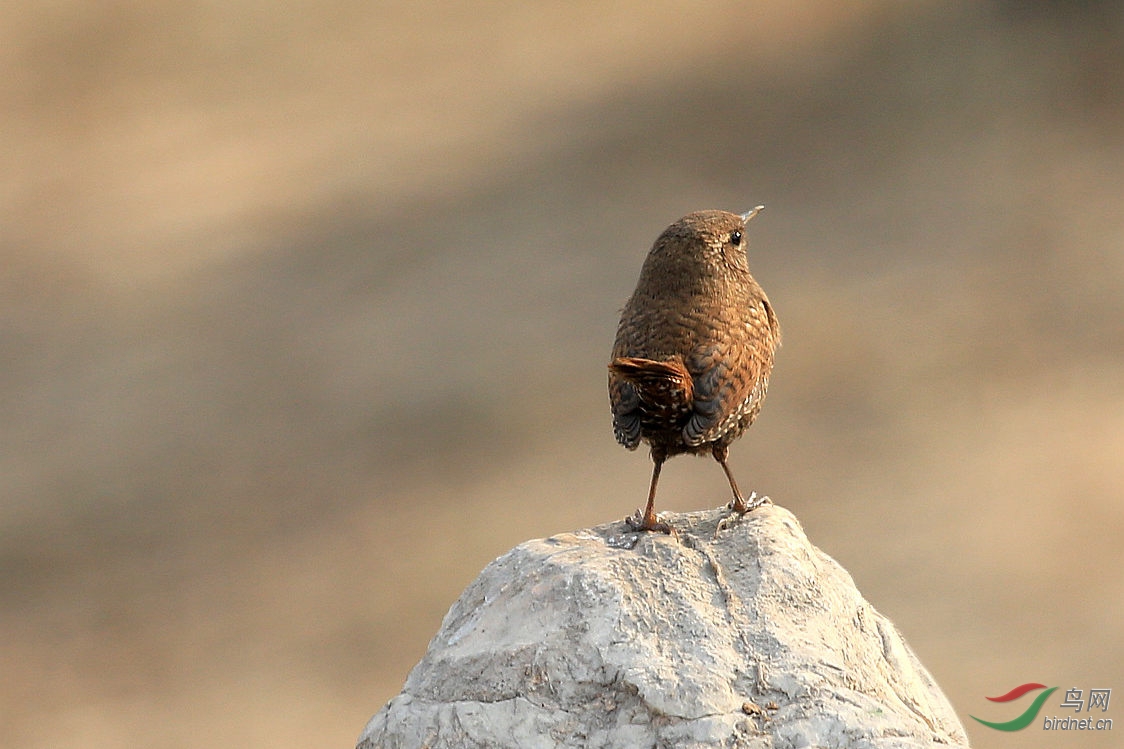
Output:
x,y
735,238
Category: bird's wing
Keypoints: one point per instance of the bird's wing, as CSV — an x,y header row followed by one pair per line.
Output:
x,y
731,375
625,402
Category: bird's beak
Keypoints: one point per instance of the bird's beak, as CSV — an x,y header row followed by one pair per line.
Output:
x,y
750,214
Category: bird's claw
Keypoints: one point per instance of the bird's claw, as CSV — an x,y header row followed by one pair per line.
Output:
x,y
638,522
739,507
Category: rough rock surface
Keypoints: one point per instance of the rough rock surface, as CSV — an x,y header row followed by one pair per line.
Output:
x,y
606,638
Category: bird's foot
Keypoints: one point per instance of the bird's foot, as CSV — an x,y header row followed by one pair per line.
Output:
x,y
642,523
739,507
742,506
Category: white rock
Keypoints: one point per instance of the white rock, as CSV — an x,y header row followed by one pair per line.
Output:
x,y
606,638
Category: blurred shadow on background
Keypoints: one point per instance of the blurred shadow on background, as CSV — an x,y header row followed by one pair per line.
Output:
x,y
293,351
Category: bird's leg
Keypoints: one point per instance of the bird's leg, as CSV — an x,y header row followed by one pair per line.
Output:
x,y
648,521
738,504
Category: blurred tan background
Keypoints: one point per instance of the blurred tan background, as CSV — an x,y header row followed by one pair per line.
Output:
x,y
306,309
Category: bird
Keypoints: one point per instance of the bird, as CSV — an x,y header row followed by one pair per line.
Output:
x,y
694,350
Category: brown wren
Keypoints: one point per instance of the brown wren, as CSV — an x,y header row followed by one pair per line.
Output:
x,y
694,350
